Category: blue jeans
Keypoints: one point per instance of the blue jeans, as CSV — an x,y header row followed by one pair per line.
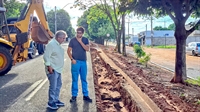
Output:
x,y
79,68
55,84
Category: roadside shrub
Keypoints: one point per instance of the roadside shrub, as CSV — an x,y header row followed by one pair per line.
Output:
x,y
144,60
139,51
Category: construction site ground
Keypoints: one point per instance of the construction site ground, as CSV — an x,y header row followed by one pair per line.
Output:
x,y
152,80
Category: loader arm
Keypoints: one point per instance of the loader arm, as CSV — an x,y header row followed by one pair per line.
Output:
x,y
24,19
28,29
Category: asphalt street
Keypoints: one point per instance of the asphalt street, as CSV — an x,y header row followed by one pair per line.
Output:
x,y
25,88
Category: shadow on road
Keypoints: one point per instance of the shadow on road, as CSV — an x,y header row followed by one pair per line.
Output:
x,y
50,110
10,94
74,107
86,107
6,78
17,64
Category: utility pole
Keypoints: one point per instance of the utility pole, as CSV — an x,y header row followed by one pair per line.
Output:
x,y
128,26
133,31
146,30
132,34
164,24
144,39
56,16
55,20
151,32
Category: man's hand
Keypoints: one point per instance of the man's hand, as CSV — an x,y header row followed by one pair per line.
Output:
x,y
79,39
50,69
86,47
73,61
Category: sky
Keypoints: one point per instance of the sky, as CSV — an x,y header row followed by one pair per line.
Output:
x,y
74,12
138,25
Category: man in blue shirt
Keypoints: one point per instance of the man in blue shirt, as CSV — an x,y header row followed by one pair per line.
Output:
x,y
77,53
54,63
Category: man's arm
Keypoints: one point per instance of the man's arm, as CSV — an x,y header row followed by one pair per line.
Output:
x,y
47,54
69,52
70,55
46,57
86,47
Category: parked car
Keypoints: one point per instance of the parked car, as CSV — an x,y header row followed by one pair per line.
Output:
x,y
193,48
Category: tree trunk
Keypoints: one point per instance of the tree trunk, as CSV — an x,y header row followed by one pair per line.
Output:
x,y
123,35
119,41
180,61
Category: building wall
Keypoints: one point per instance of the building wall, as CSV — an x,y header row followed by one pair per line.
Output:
x,y
134,39
163,41
169,40
193,39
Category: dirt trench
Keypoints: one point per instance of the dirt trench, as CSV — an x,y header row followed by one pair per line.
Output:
x,y
153,82
111,96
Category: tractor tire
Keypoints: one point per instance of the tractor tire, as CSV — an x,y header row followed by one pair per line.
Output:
x,y
33,53
40,48
5,60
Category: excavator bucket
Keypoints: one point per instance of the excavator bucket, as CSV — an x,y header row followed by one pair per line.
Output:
x,y
39,34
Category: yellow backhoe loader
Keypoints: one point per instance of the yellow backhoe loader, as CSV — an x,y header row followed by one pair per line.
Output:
x,y
17,37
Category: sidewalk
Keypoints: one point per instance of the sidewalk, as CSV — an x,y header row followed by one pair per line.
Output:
x,y
80,105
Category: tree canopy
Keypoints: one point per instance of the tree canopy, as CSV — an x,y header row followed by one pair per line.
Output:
x,y
179,11
170,27
96,24
116,11
13,8
63,22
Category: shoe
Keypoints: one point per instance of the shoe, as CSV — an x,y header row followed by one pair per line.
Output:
x,y
87,98
73,99
52,106
59,103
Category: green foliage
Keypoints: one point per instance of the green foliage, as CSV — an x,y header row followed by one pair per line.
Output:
x,y
171,27
144,60
63,22
193,82
198,102
182,95
96,24
13,8
139,51
82,21
160,28
166,47
108,9
163,46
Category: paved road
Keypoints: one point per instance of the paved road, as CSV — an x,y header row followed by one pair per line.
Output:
x,y
25,88
166,58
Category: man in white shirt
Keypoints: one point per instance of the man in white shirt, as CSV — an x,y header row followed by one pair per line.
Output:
x,y
54,63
